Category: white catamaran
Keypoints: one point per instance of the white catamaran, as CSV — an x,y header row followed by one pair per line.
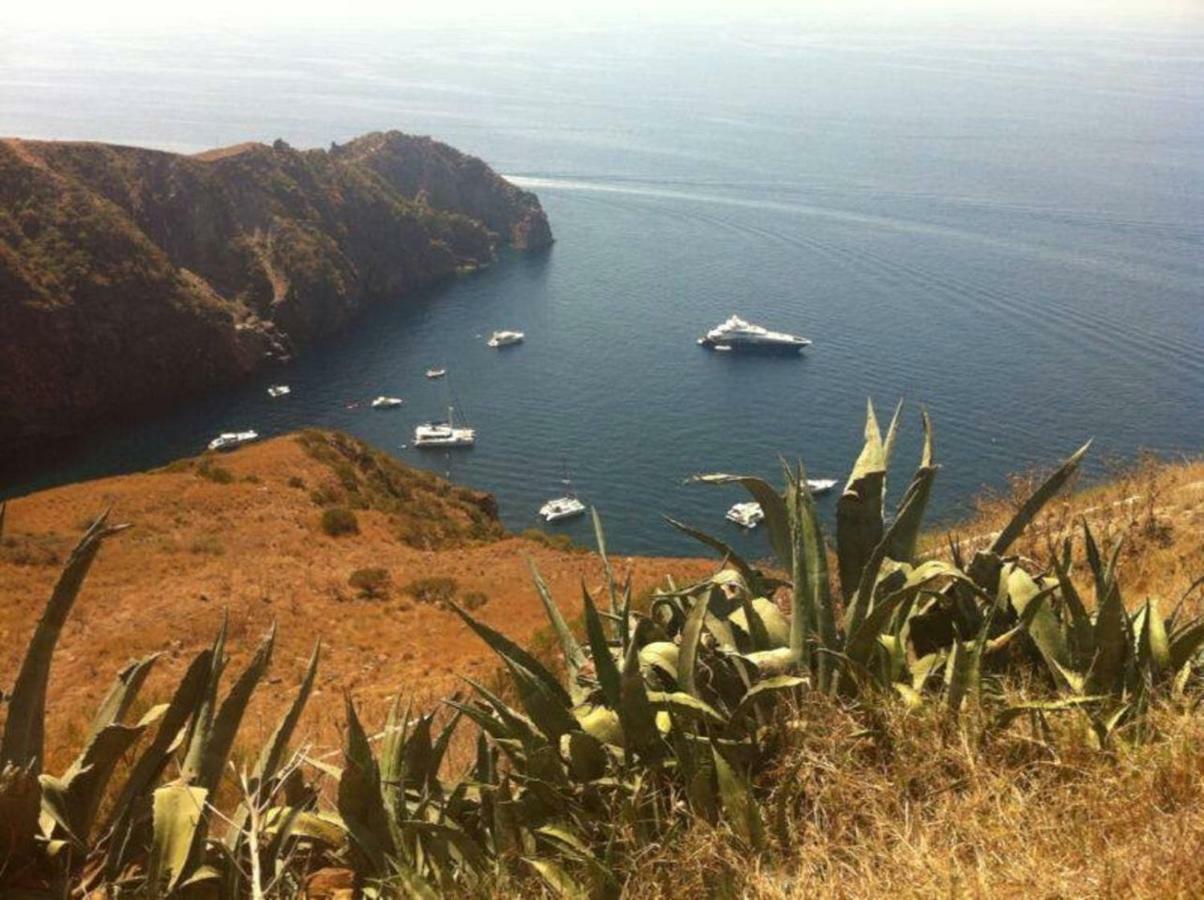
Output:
x,y
444,434
565,507
750,514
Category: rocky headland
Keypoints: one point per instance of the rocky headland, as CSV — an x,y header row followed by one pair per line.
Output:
x,y
130,278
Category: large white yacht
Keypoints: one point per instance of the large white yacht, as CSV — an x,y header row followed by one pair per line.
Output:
x,y
737,334
505,338
444,434
231,439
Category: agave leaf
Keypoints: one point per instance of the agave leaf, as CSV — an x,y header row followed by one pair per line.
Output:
x,y
745,569
600,536
556,878
766,623
1185,643
360,802
859,510
1027,599
273,751
1039,498
574,657
684,705
962,674
1112,644
764,688
691,634
904,532
1080,631
601,723
21,744
772,662
1159,644
178,812
777,520
219,739
604,664
86,779
662,655
739,807
139,785
506,649
635,711
814,603
864,599
587,759
549,713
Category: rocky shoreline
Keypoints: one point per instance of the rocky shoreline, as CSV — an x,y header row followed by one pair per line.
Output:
x,y
132,278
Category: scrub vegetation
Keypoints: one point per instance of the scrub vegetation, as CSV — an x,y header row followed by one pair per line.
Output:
x,y
868,712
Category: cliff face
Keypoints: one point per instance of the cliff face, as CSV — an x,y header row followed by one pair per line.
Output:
x,y
131,277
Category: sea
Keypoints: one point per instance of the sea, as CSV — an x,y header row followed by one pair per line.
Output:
x,y
1003,225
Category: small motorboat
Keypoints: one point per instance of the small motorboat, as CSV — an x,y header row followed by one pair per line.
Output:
x,y
444,434
383,402
505,338
746,515
279,390
230,439
821,485
435,373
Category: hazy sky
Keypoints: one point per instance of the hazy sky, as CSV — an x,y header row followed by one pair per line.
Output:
x,y
87,14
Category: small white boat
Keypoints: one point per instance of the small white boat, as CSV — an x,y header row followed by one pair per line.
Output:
x,y
565,507
279,390
386,402
230,439
444,434
821,485
746,515
561,508
435,373
505,338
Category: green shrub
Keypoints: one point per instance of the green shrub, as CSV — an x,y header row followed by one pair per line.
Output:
x,y
215,473
372,584
435,590
339,520
561,542
474,600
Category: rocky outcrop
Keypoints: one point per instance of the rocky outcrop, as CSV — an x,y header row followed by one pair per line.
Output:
x,y
132,277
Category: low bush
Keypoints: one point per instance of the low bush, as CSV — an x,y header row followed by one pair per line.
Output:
x,y
474,600
339,520
372,584
435,590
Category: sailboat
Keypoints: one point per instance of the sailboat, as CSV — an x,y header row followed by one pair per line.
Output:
x,y
444,434
564,507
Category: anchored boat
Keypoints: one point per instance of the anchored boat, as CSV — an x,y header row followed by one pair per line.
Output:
x,y
565,507
279,390
505,338
230,439
444,434
387,402
750,514
435,373
737,334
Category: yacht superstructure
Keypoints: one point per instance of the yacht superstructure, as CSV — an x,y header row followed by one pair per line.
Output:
x,y
505,338
737,334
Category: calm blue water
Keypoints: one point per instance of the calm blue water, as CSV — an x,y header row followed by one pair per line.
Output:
x,y
1006,226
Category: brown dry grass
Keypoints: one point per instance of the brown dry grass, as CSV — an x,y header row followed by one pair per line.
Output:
x,y
253,547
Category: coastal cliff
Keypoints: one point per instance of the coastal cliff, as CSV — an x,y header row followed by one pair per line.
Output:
x,y
131,277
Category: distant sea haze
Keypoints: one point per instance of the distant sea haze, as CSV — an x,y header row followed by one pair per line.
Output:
x,y
1007,227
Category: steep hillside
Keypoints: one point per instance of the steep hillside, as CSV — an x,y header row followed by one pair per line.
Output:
x,y
131,277
243,534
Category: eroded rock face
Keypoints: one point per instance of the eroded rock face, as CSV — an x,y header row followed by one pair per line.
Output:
x,y
132,277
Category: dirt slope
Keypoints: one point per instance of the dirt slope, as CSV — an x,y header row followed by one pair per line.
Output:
x,y
242,534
